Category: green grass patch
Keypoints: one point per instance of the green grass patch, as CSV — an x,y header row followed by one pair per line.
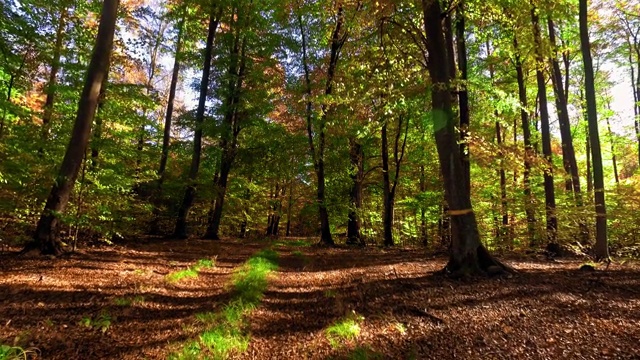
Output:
x,y
15,352
128,301
294,243
225,332
344,330
101,322
192,271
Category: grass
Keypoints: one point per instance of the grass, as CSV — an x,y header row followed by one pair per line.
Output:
x,y
225,330
15,352
101,322
346,329
192,271
294,243
128,301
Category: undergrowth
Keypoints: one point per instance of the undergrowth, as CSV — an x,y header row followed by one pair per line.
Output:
x,y
343,330
15,352
224,332
190,272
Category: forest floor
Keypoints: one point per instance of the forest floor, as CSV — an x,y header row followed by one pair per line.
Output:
x,y
118,302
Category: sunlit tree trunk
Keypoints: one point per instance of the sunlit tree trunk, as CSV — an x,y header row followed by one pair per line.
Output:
x,y
549,189
529,150
46,235
602,246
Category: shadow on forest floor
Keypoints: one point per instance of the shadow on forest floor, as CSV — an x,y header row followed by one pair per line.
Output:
x,y
115,303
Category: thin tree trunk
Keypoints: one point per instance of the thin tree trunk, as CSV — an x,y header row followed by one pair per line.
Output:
x,y
529,150
568,151
549,189
612,146
602,246
53,77
190,192
166,137
46,236
356,156
231,127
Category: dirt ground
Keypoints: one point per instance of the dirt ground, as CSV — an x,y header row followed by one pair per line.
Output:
x,y
115,303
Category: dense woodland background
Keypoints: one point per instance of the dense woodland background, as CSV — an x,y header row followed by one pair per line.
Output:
x,y
317,117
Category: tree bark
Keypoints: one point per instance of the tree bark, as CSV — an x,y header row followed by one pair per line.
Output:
x,y
231,127
529,150
549,189
53,77
190,192
568,152
463,92
602,247
46,235
467,254
356,155
166,136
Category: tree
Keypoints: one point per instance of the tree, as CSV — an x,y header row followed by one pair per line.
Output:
x,y
549,189
601,249
467,254
45,238
190,192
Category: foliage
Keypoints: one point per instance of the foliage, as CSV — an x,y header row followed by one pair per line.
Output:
x,y
101,322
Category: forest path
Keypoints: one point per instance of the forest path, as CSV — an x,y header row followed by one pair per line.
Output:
x,y
550,310
116,303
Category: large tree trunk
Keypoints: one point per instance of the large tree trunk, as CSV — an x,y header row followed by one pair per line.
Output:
x,y
602,246
356,154
190,192
529,150
549,189
45,237
467,254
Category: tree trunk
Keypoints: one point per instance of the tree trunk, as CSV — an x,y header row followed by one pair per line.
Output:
x,y
190,192
356,155
463,92
602,246
46,235
231,127
166,137
529,150
53,78
289,205
568,152
549,189
612,146
467,255
388,195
